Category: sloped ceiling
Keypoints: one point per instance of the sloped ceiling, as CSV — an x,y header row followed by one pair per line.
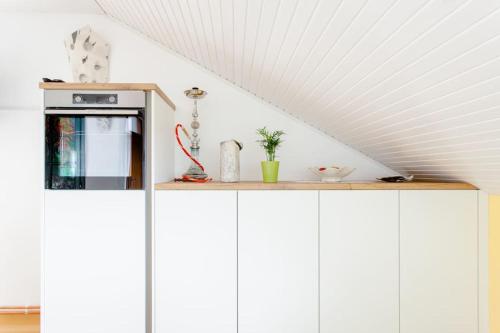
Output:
x,y
414,84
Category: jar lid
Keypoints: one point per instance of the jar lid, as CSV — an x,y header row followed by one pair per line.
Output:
x,y
239,144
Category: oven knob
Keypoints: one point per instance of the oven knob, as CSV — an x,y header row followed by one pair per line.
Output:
x,y
112,99
78,99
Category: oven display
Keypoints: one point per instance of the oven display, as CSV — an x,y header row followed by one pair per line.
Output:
x,y
95,99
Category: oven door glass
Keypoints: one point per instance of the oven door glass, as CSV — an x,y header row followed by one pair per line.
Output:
x,y
93,152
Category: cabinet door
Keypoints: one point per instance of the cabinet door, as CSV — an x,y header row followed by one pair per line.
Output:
x,y
278,261
359,283
195,262
439,262
94,262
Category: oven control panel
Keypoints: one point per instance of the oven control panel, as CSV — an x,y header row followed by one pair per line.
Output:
x,y
110,99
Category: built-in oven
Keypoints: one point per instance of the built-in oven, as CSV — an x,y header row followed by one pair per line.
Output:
x,y
94,140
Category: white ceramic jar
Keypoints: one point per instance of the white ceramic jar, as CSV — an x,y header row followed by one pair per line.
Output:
x,y
230,161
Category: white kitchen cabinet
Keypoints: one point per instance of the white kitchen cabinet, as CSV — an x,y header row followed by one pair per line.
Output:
x,y
359,261
439,261
195,258
278,261
94,262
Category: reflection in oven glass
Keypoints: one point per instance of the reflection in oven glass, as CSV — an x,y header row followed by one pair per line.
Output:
x,y
88,152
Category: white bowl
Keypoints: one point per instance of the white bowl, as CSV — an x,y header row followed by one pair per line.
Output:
x,y
331,174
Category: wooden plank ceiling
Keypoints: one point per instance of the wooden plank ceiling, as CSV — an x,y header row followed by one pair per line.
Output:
x,y
415,84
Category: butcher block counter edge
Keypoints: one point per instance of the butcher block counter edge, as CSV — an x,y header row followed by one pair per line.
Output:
x,y
256,185
107,86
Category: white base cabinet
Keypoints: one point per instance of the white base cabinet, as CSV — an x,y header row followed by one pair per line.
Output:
x,y
278,261
307,261
94,262
439,262
359,265
195,262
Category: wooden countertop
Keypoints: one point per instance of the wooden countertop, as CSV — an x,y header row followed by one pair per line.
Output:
x,y
256,185
107,86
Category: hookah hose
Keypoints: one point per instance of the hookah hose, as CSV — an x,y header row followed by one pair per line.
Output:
x,y
188,154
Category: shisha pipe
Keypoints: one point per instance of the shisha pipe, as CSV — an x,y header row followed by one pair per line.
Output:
x,y
196,172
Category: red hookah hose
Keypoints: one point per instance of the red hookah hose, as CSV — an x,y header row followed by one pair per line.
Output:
x,y
188,154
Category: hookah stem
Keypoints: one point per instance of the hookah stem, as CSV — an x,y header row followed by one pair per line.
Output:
x,y
188,154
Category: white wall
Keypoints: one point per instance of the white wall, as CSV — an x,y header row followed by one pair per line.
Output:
x,y
19,207
35,49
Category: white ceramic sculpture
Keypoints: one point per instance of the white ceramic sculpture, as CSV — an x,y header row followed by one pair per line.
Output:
x,y
88,55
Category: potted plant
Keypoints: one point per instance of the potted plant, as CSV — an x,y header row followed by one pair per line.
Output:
x,y
270,142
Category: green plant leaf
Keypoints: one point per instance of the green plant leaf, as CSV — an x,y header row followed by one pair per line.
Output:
x,y
270,141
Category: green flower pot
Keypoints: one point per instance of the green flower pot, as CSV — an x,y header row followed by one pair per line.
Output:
x,y
270,171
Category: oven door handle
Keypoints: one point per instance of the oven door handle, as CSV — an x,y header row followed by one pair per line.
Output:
x,y
93,112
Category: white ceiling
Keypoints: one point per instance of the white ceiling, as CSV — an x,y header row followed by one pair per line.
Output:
x,y
415,84
51,6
